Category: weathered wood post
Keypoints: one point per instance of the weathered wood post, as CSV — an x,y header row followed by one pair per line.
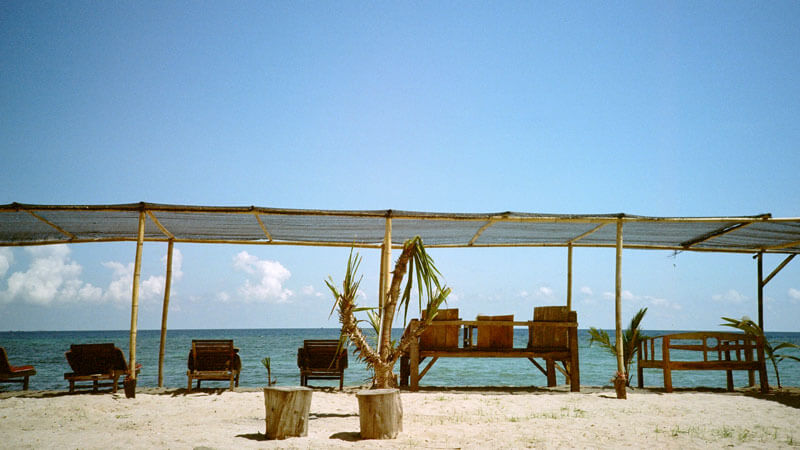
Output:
x,y
380,413
287,411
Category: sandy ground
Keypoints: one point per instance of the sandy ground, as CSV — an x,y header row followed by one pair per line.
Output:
x,y
434,418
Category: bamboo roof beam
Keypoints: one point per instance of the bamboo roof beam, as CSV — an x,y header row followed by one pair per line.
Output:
x,y
263,228
782,246
480,231
583,235
58,228
716,233
779,268
160,226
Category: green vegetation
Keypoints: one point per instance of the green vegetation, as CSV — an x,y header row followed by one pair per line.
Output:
x,y
381,360
751,328
630,342
266,362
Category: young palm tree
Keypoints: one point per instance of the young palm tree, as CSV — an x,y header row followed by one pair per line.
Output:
x,y
630,342
383,357
749,327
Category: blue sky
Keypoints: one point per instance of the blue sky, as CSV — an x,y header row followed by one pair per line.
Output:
x,y
650,108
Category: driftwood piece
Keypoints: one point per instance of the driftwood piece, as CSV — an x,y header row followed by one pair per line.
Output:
x,y
287,411
380,413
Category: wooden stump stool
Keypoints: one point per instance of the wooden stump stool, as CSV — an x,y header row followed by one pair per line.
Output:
x,y
287,411
380,413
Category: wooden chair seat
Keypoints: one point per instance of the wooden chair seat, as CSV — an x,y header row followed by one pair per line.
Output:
x,y
14,374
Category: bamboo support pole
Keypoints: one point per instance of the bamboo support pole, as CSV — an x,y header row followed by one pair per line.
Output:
x,y
569,277
618,300
760,259
384,281
164,312
137,271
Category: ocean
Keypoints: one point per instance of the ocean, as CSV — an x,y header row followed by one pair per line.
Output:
x,y
45,350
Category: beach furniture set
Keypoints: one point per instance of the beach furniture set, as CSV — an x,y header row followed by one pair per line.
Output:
x,y
552,337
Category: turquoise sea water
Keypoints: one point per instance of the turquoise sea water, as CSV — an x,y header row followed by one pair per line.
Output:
x,y
45,350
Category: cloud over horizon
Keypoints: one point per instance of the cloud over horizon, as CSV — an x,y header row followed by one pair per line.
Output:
x,y
265,281
54,277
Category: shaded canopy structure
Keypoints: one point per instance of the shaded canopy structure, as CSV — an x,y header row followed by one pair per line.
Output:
x,y
22,224
26,224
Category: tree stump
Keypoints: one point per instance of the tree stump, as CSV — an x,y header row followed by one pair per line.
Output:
x,y
380,413
287,411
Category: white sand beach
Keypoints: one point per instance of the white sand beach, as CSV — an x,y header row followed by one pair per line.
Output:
x,y
475,418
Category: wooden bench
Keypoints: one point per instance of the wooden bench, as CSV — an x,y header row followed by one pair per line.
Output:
x,y
213,359
321,359
553,336
719,351
96,363
14,374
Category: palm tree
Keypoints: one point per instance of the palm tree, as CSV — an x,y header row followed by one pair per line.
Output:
x,y
383,357
751,328
630,342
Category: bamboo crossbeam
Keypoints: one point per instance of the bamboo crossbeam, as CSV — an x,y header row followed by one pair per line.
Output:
x,y
716,233
58,228
159,225
583,235
263,227
480,231
778,269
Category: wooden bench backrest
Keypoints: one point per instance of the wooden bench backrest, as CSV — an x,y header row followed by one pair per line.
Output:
x,y
322,354
443,336
545,336
712,345
5,366
211,355
495,336
87,359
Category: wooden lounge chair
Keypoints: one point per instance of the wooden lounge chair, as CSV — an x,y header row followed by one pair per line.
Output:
x,y
14,374
96,362
321,359
214,359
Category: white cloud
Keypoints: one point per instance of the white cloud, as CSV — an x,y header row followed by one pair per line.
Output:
x,y
52,277
223,296
794,294
731,296
545,292
269,276
6,259
310,291
586,290
540,292
150,288
630,297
